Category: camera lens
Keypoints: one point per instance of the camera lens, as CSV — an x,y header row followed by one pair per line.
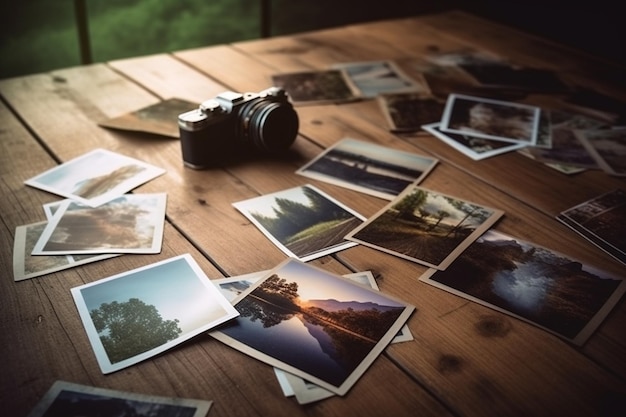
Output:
x,y
269,125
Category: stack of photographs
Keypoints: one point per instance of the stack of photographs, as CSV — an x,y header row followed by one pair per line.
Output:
x,y
292,385
321,327
98,219
481,127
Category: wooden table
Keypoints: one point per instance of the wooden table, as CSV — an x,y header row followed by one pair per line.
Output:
x,y
466,359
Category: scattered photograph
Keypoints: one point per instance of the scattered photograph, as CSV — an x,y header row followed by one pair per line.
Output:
x,y
303,222
602,221
566,150
51,208
607,147
26,266
407,112
160,118
135,315
96,177
132,223
304,391
445,80
69,399
369,168
491,119
232,287
473,147
372,78
425,226
314,324
317,87
575,121
284,383
532,283
562,168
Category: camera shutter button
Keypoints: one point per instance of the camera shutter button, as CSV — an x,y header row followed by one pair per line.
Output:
x,y
211,106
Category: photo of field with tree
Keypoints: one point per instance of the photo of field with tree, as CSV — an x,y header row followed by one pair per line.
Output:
x,y
304,220
425,227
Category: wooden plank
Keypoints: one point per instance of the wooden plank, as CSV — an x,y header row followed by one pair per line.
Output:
x,y
235,70
157,71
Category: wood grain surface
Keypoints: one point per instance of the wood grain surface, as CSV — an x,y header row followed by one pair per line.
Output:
x,y
465,359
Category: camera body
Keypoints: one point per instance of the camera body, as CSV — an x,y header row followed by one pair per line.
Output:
x,y
235,123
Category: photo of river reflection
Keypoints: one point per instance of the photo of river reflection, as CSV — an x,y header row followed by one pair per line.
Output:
x,y
319,323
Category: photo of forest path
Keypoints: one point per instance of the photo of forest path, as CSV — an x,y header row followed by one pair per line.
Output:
x,y
531,282
307,228
423,226
324,337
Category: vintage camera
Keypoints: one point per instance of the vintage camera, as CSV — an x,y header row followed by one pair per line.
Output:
x,y
233,123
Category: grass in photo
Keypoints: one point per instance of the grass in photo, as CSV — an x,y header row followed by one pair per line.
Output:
x,y
425,226
303,222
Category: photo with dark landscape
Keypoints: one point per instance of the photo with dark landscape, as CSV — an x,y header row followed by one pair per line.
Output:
x,y
541,286
603,216
330,85
364,171
71,403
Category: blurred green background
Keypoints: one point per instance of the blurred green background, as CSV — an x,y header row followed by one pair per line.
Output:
x,y
41,35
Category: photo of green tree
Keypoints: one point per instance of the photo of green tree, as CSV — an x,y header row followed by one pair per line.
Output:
x,y
135,315
132,327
